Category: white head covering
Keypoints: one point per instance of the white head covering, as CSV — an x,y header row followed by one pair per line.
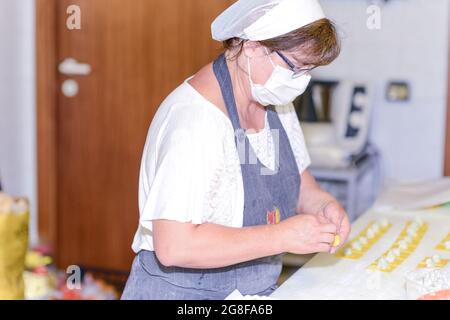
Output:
x,y
259,20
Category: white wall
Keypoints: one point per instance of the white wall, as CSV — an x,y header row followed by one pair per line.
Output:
x,y
412,45
17,101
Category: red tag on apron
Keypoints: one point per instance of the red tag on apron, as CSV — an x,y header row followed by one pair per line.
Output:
x,y
273,217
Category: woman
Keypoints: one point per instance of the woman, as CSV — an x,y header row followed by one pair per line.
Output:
x,y
224,189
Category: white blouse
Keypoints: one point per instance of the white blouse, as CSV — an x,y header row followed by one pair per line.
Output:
x,y
190,169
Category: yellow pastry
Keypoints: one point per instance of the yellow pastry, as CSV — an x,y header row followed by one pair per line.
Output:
x,y
337,241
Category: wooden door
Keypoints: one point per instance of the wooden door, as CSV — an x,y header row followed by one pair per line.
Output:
x,y
139,51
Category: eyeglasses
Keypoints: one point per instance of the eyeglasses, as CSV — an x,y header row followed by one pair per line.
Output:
x,y
298,72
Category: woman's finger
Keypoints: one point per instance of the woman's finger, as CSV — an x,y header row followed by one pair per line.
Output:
x,y
345,229
334,213
327,238
323,220
333,250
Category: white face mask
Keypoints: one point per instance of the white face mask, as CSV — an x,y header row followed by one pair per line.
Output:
x,y
280,89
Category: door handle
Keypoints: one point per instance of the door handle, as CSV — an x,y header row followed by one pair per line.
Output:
x,y
71,67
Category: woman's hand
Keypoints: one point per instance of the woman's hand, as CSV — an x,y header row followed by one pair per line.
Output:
x,y
313,200
335,213
304,234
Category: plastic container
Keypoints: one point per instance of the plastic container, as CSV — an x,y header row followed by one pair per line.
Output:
x,y
427,283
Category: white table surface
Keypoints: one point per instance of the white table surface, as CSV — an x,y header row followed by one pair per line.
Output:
x,y
330,277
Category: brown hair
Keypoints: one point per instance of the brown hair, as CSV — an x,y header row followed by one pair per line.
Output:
x,y
319,41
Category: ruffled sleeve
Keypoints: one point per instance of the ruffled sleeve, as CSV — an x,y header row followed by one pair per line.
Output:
x,y
175,177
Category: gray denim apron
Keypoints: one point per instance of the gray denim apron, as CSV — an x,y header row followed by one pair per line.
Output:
x,y
270,196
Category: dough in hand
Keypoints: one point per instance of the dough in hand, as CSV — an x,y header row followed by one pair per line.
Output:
x,y
337,241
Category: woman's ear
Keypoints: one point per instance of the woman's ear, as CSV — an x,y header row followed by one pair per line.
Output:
x,y
253,49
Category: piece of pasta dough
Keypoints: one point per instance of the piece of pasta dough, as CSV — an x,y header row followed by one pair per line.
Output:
x,y
337,241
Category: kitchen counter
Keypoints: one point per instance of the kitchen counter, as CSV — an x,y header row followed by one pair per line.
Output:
x,y
336,277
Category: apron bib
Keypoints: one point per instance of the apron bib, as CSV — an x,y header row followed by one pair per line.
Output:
x,y
270,196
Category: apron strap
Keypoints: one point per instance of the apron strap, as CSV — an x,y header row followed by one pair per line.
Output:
x,y
226,86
